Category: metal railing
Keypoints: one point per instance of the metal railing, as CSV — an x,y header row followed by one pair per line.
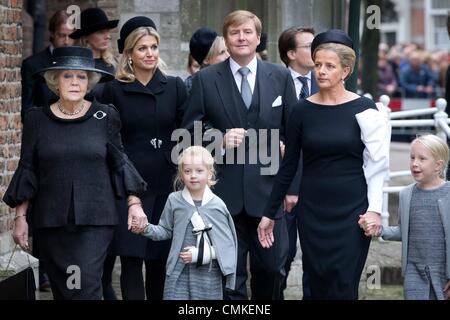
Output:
x,y
440,122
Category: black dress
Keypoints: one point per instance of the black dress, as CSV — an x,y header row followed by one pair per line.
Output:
x,y
70,170
333,193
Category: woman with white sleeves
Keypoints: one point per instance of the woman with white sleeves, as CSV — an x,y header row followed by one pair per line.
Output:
x,y
345,144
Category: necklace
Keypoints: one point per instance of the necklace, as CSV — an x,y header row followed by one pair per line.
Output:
x,y
67,113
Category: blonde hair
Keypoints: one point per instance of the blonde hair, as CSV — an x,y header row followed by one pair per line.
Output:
x,y
105,55
51,78
207,160
217,47
239,17
438,149
125,71
346,54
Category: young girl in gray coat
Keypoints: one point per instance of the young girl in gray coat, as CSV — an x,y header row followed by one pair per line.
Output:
x,y
424,223
204,243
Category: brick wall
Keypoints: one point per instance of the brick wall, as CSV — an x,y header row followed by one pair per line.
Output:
x,y
10,125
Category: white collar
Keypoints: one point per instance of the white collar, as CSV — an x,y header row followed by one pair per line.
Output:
x,y
295,74
252,66
207,196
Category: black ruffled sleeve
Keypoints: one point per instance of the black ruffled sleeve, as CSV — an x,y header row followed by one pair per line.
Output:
x,y
24,183
126,179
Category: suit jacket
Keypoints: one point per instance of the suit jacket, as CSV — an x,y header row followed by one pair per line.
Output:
x,y
400,232
212,101
34,90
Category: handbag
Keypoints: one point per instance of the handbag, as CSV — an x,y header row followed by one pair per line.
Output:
x,y
18,286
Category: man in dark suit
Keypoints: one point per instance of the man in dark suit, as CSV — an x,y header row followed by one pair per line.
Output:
x,y
294,46
238,96
34,91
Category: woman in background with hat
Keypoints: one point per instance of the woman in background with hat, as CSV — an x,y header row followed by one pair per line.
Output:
x,y
207,48
345,144
150,106
71,166
95,34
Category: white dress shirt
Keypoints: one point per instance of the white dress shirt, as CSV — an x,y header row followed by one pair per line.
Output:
x,y
251,77
297,83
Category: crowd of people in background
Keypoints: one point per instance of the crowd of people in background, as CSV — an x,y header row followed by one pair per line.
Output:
x,y
410,71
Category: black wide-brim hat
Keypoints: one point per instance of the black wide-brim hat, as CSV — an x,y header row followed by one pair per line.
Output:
x,y
131,25
74,58
92,20
331,36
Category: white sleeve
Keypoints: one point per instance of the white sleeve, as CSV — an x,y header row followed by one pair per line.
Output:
x,y
376,135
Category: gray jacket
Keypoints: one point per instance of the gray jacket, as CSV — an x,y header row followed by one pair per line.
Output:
x,y
174,221
400,232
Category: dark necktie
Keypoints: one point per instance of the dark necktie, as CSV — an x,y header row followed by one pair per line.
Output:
x,y
246,92
304,93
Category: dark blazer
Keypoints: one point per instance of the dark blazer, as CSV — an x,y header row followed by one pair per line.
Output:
x,y
147,113
35,91
212,101
70,168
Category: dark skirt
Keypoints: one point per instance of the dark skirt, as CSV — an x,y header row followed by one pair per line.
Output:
x,y
74,258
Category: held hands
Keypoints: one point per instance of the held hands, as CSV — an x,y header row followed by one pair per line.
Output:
x,y
20,232
137,219
233,138
370,222
265,232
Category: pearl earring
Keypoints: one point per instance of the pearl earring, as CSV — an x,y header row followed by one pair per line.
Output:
x,y
130,62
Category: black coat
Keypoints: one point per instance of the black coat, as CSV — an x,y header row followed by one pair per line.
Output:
x,y
71,169
148,113
212,101
35,91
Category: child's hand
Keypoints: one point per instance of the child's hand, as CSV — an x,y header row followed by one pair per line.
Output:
x,y
370,222
186,255
447,290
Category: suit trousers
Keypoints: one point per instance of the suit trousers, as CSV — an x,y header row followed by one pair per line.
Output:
x,y
266,265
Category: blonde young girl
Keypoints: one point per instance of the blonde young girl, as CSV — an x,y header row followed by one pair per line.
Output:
x,y
204,244
424,222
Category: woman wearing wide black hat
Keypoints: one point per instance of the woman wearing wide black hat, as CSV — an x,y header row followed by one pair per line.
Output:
x,y
345,144
95,34
71,167
150,106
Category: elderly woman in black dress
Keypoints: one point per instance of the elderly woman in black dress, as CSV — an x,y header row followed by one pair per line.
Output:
x,y
345,144
71,167
150,104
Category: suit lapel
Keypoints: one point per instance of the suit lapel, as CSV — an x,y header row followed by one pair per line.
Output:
x,y
266,90
224,84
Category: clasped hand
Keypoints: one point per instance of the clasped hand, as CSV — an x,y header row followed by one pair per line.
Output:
x,y
370,222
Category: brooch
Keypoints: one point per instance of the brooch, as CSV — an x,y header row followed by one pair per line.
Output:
x,y
99,115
